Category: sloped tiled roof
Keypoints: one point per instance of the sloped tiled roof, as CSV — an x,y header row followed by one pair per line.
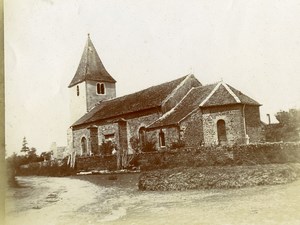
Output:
x,y
189,103
244,98
217,94
90,67
227,95
142,100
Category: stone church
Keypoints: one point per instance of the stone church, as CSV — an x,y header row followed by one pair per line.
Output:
x,y
182,110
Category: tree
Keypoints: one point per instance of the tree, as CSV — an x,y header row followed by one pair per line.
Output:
x,y
288,128
45,156
32,156
24,148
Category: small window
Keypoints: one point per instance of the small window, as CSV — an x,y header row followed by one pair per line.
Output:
x,y
162,141
100,89
109,137
77,89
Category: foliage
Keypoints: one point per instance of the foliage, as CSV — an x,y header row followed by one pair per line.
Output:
x,y
14,161
149,146
185,178
135,144
46,155
288,128
106,148
290,124
24,148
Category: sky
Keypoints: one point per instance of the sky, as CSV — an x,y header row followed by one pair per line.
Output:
x,y
252,45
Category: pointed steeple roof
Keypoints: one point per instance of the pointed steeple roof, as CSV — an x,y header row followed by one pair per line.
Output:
x,y
90,67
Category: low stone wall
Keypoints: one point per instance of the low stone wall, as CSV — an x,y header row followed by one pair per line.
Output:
x,y
251,154
96,163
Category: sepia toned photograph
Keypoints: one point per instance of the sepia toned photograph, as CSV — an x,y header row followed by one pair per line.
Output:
x,y
152,112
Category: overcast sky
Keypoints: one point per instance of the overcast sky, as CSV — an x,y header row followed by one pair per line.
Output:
x,y
252,45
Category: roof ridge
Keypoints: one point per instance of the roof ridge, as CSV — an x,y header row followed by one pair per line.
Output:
x,y
236,98
177,87
174,108
106,100
211,93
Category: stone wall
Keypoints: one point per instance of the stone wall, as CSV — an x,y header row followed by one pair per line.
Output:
x,y
108,131
232,115
77,136
134,124
191,129
172,135
111,129
251,154
96,163
94,139
254,127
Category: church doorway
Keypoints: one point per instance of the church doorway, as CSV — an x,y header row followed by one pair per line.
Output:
x,y
83,146
221,129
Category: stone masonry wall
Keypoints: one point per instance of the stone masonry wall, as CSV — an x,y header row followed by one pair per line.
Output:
x,y
232,115
253,124
252,154
96,163
77,136
171,136
192,130
94,139
108,129
134,124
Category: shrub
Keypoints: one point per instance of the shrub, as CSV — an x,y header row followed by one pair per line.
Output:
x,y
135,144
149,146
106,148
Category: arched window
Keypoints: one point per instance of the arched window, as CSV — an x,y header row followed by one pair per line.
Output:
x,y
100,89
142,136
83,146
77,90
221,128
162,141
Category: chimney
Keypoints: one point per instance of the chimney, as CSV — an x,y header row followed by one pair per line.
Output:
x,y
269,118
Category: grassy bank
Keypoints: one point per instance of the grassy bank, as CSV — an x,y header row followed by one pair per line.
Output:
x,y
219,177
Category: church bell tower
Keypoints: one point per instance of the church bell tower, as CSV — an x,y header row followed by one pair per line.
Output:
x,y
90,84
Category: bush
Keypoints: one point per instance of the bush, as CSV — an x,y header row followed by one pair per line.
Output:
x,y
149,146
106,148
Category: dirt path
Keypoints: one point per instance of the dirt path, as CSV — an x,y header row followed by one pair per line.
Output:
x,y
63,201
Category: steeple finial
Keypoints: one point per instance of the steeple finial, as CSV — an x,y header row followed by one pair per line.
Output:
x,y
88,35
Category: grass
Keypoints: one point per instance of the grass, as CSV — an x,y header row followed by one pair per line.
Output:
x,y
224,177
